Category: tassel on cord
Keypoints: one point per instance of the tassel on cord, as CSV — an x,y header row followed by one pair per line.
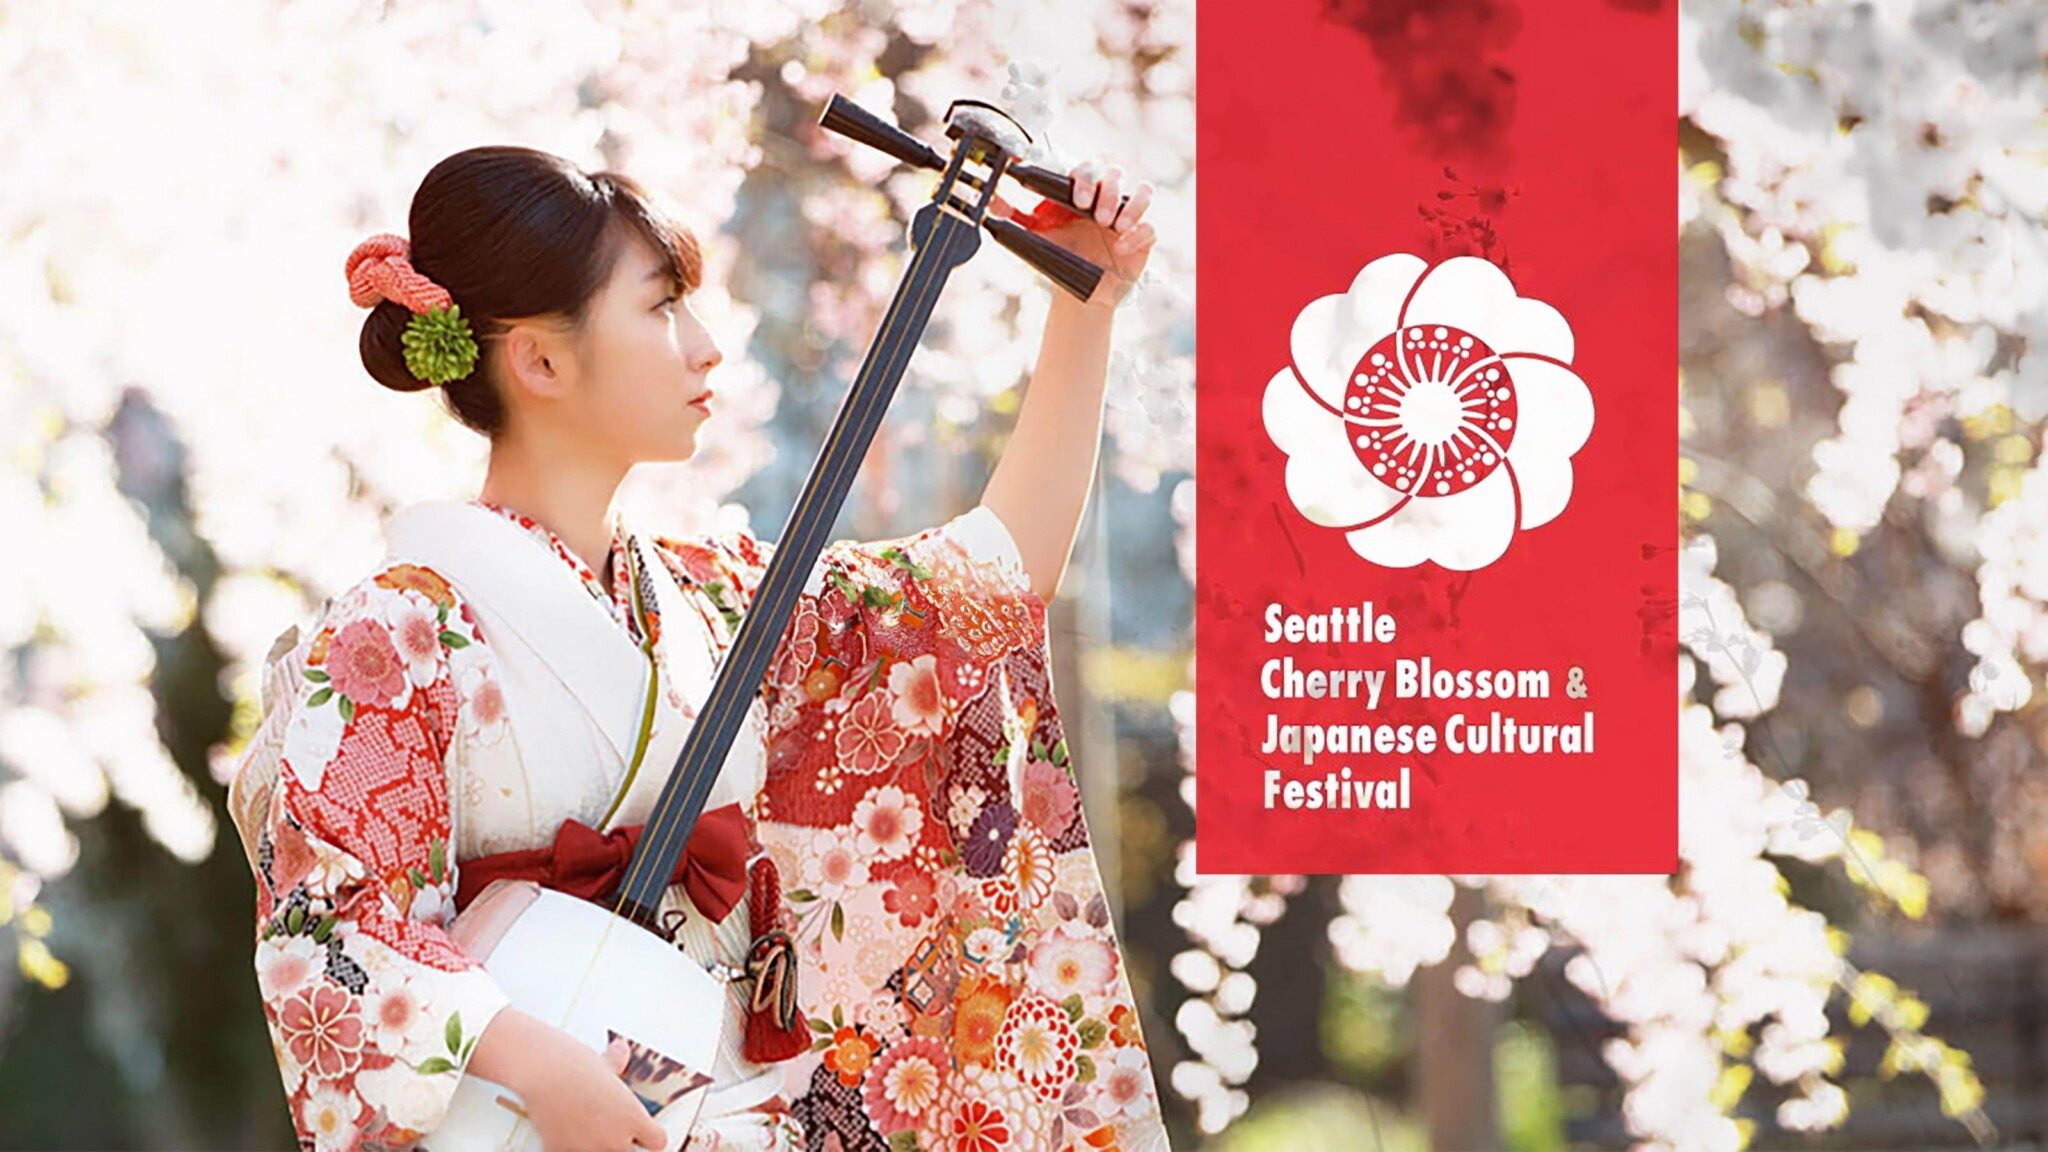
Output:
x,y
775,1031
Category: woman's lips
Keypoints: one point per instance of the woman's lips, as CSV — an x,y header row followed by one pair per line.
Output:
x,y
702,400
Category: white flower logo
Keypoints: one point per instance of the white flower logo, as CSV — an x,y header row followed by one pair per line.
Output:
x,y
1429,411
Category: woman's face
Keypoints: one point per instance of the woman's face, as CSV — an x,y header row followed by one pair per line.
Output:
x,y
634,387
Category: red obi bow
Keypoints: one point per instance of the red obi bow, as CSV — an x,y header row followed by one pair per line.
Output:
x,y
589,864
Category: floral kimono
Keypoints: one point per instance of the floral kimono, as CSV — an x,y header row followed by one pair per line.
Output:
x,y
904,767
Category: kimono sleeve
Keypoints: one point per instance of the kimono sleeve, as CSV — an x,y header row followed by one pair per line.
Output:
x,y
962,581
964,578
973,551
986,541
738,559
373,1009
924,807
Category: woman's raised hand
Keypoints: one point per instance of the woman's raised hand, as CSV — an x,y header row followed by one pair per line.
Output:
x,y
1112,236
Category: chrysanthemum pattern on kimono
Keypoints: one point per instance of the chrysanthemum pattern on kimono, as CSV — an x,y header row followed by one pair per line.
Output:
x,y
960,971
373,1009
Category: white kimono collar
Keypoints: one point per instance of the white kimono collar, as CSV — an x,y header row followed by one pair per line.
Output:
x,y
490,558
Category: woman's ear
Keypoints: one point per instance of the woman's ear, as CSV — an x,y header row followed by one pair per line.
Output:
x,y
534,359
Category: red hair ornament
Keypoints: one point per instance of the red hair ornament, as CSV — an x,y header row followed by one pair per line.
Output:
x,y
439,346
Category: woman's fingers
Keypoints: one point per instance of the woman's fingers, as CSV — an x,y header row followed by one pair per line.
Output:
x,y
1107,196
1098,194
1083,176
1134,210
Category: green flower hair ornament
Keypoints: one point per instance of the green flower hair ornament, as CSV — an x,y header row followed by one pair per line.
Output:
x,y
439,346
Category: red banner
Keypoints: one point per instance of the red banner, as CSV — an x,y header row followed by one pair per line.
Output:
x,y
1436,491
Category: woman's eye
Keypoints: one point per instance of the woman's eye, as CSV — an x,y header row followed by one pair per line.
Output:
x,y
667,303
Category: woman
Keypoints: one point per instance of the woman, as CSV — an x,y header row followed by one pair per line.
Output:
x,y
464,709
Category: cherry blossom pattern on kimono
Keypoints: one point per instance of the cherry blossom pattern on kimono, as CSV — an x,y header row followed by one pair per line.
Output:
x,y
373,1009
959,969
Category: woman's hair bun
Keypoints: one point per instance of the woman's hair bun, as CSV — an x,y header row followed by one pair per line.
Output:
x,y
383,347
505,231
